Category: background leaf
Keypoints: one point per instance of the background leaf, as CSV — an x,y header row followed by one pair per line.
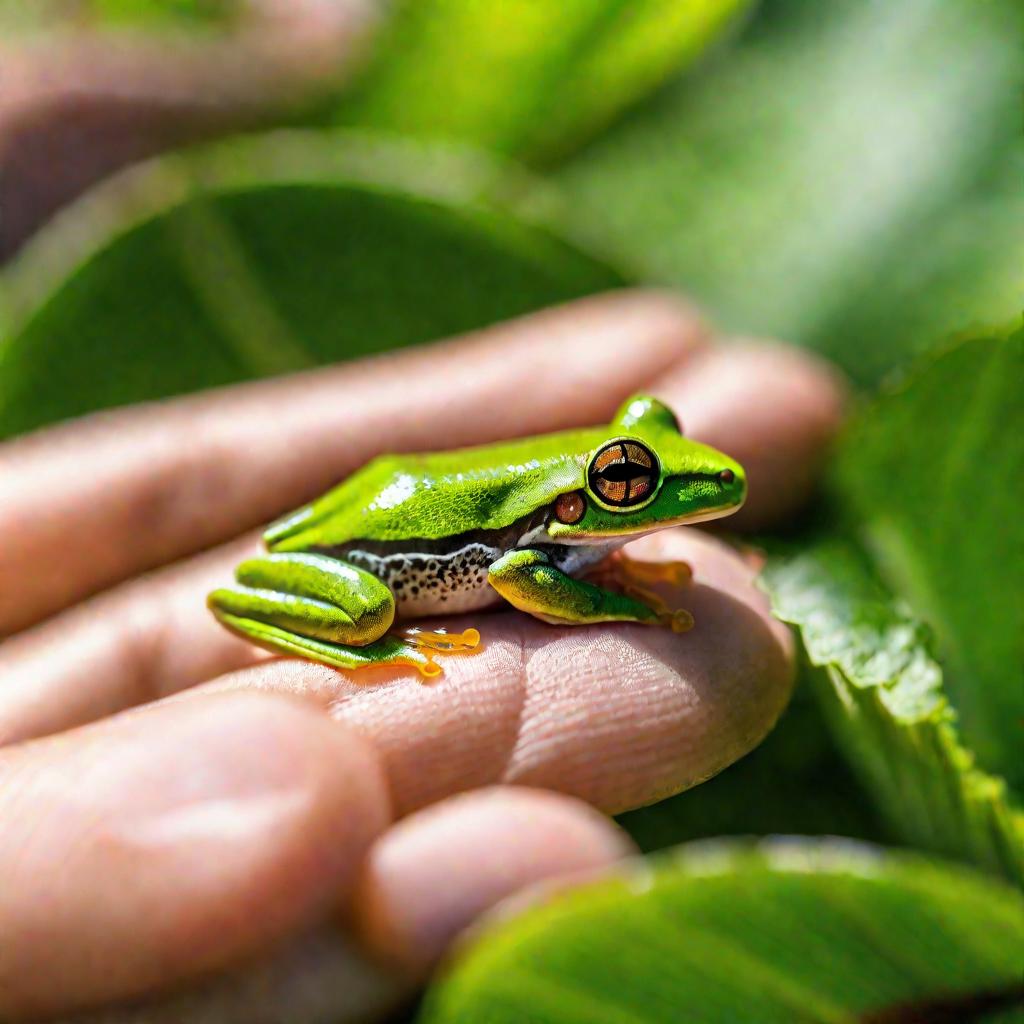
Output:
x,y
783,932
933,469
526,76
261,257
847,177
882,692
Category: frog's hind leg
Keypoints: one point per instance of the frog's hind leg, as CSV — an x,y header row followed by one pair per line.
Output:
x,y
320,608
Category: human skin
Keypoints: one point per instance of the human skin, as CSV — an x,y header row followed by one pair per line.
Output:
x,y
177,804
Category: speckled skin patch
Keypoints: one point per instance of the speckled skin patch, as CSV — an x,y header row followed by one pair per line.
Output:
x,y
455,581
429,584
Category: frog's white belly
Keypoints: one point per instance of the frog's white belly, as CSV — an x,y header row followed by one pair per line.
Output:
x,y
455,581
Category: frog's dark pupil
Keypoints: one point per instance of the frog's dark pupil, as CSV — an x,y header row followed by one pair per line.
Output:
x,y
620,471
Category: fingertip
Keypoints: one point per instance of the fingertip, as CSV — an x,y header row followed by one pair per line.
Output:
x,y
432,875
655,712
774,408
175,841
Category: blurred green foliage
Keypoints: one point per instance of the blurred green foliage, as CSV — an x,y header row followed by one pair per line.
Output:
x,y
846,176
932,470
526,78
849,179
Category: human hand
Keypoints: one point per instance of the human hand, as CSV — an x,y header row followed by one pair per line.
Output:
x,y
176,804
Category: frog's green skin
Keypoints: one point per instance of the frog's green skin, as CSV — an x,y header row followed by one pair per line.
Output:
x,y
456,531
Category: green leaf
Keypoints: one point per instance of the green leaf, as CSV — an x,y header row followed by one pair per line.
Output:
x,y
848,177
934,470
728,934
526,76
881,690
264,256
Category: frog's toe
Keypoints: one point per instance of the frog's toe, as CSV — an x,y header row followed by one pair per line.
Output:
x,y
387,650
440,641
624,570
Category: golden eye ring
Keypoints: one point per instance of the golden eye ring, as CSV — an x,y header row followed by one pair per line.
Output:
x,y
623,474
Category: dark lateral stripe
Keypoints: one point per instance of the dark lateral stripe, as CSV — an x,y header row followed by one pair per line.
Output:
x,y
501,539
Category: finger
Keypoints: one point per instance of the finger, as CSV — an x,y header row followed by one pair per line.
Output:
x,y
91,502
774,408
617,715
129,646
148,638
424,881
315,977
166,844
431,876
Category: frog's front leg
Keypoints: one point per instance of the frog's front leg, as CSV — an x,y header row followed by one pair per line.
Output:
x,y
317,607
527,579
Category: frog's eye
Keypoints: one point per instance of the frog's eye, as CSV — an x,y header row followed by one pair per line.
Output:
x,y
570,508
623,473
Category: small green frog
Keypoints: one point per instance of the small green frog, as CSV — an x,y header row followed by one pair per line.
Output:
x,y
453,532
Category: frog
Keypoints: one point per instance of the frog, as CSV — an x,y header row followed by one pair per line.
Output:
x,y
533,523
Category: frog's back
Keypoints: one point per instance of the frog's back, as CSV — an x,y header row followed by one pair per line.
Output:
x,y
405,497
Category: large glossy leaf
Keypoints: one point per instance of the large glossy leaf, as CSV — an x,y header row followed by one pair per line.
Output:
x,y
526,76
934,470
882,691
847,177
784,932
260,257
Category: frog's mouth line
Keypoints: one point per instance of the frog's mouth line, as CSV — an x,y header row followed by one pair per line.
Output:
x,y
627,532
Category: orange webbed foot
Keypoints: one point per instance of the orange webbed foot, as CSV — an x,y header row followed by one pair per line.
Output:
x,y
439,641
635,578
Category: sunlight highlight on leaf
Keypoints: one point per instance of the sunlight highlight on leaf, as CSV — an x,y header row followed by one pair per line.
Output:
x,y
820,932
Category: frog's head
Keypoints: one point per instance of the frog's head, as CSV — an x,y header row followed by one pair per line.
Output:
x,y
647,476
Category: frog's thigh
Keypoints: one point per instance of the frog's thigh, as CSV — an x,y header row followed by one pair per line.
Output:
x,y
527,579
306,596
